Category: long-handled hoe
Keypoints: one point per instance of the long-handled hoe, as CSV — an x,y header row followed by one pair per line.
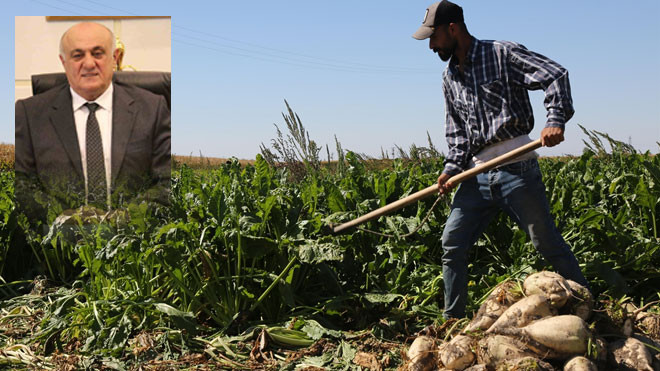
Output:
x,y
233,327
433,189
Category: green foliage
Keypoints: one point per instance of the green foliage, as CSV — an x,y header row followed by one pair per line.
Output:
x,y
244,245
8,221
296,150
608,208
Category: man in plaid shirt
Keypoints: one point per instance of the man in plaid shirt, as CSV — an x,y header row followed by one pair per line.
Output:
x,y
488,113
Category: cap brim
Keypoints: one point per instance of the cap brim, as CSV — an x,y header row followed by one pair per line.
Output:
x,y
424,32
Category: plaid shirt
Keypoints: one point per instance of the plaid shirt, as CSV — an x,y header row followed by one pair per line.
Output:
x,y
489,103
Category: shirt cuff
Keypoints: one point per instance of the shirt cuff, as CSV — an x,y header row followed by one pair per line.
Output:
x,y
451,169
556,118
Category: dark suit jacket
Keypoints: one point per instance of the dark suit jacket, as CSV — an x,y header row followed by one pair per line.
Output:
x,y
47,155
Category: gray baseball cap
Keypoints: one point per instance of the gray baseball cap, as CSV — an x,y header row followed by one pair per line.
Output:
x,y
443,12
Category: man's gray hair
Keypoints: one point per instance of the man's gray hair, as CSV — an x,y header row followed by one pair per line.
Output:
x,y
112,39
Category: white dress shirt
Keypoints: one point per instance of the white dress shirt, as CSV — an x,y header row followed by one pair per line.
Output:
x,y
104,118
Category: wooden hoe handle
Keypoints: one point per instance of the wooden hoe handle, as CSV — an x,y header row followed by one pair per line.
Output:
x,y
455,180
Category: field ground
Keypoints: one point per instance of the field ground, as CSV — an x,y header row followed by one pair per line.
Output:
x,y
381,345
238,272
202,162
195,162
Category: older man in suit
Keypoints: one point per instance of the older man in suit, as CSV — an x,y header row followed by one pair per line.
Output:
x,y
91,142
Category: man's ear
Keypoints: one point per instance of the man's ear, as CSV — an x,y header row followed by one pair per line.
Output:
x,y
115,58
61,59
452,28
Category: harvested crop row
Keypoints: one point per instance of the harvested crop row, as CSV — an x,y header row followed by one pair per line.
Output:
x,y
543,330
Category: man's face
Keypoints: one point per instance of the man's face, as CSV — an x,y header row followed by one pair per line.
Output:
x,y
442,42
88,59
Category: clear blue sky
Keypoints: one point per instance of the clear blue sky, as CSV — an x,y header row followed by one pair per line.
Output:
x,y
352,69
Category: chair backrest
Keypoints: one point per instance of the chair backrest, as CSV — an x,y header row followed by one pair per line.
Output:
x,y
156,82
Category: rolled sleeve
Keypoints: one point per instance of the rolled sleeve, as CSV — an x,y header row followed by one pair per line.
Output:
x,y
456,136
556,118
535,72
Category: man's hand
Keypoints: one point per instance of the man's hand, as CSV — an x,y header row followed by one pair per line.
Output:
x,y
551,136
443,186
83,214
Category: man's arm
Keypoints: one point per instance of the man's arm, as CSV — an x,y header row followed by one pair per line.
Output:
x,y
161,164
24,156
28,188
457,142
534,71
157,186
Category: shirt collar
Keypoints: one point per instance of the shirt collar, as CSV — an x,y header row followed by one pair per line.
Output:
x,y
469,58
104,100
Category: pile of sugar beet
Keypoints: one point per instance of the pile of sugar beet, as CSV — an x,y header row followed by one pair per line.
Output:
x,y
547,323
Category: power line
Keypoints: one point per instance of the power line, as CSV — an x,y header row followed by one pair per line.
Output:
x,y
82,7
294,63
347,67
55,7
300,54
110,7
244,49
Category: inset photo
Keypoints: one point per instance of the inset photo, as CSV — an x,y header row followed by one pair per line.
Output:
x,y
93,102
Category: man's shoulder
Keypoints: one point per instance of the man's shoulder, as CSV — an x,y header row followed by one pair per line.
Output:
x,y
143,99
500,49
137,93
503,45
46,97
500,44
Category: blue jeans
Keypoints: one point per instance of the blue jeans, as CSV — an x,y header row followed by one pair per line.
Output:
x,y
518,190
